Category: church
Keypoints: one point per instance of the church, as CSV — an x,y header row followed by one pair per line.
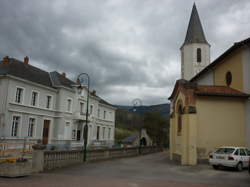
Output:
x,y
210,104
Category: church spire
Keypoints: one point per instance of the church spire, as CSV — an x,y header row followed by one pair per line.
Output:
x,y
195,32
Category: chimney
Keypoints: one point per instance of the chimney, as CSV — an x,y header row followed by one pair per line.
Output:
x,y
6,60
26,60
94,92
63,74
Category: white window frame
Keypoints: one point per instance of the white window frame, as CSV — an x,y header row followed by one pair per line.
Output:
x,y
82,108
37,98
74,132
34,127
71,106
104,114
70,126
98,113
19,127
103,133
98,132
91,109
22,96
109,133
51,102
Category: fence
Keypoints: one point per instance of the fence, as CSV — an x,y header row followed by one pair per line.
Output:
x,y
10,148
47,160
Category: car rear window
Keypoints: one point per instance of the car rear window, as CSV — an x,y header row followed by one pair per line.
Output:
x,y
225,151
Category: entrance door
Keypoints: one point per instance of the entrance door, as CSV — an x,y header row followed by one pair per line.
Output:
x,y
46,131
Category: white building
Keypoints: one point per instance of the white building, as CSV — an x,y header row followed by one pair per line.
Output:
x,y
36,104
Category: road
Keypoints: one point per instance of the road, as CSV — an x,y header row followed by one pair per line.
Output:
x,y
154,170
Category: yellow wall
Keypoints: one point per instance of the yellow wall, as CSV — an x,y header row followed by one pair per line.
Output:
x,y
221,122
176,140
234,64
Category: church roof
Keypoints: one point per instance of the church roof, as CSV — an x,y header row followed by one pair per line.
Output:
x,y
204,90
25,71
207,90
195,32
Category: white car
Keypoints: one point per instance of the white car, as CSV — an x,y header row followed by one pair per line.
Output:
x,y
236,157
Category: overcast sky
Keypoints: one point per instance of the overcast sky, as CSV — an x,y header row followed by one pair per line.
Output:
x,y
130,48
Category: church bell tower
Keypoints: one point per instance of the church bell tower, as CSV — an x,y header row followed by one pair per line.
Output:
x,y
195,51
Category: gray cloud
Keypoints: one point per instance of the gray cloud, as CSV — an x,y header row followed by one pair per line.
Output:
x,y
129,48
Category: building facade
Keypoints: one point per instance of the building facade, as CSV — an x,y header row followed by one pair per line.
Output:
x,y
212,108
36,104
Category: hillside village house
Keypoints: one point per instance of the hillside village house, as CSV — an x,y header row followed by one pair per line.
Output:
x,y
210,105
36,104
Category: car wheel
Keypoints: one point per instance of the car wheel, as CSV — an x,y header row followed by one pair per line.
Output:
x,y
239,166
215,167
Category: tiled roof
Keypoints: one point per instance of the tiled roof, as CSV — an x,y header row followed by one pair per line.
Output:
x,y
25,71
60,80
219,91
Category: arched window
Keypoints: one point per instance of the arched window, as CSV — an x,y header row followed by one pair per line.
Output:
x,y
179,120
198,55
229,78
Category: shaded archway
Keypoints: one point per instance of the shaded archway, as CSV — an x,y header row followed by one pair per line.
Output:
x,y
143,141
179,117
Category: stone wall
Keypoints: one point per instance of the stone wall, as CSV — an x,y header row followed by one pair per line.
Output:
x,y
47,160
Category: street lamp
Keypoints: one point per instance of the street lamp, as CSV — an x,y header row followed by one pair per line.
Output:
x,y
81,79
137,103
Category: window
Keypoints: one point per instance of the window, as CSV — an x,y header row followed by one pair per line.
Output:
x,y
97,133
34,97
104,114
81,108
198,54
78,132
73,134
98,112
179,120
229,78
103,133
248,152
236,152
19,95
67,131
31,127
15,124
48,103
242,152
91,109
109,133
82,93
69,105
90,131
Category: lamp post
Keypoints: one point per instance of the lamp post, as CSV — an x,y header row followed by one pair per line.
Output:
x,y
137,103
81,79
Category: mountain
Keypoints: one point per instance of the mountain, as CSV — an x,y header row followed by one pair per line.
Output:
x,y
164,109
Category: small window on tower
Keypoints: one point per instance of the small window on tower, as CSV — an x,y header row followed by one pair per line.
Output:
x,y
199,55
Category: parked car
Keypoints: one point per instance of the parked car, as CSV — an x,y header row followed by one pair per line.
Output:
x,y
236,157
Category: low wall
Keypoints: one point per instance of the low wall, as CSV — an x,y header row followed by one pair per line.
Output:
x,y
47,160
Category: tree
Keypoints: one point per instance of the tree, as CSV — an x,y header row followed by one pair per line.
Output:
x,y
157,127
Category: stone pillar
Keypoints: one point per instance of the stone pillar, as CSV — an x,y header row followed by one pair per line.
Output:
x,y
38,160
38,156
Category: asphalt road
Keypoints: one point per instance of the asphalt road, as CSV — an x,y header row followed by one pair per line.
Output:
x,y
154,170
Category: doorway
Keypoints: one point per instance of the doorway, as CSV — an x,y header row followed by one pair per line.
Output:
x,y
46,132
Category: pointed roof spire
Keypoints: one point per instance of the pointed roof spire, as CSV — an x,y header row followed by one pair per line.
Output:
x,y
195,32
